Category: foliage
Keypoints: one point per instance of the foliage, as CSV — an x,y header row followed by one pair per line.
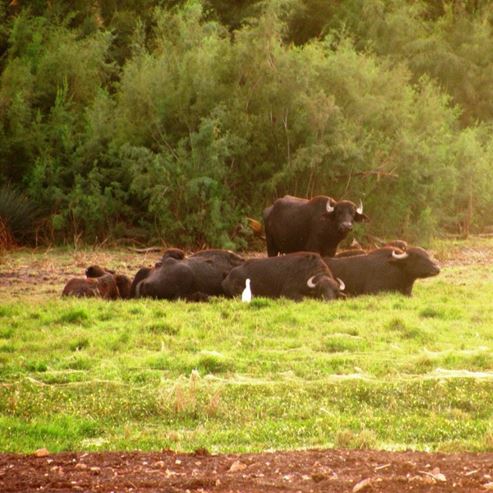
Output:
x,y
17,217
173,121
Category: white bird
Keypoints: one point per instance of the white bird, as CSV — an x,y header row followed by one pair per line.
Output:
x,y
246,296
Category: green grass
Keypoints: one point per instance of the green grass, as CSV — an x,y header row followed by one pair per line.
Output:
x,y
382,372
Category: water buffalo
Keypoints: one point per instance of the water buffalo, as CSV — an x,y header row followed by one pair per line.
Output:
x,y
294,276
123,283
401,244
140,276
144,272
383,269
317,225
81,288
193,278
93,287
221,256
94,271
351,252
176,253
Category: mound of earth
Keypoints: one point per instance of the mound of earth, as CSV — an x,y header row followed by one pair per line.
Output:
x,y
297,471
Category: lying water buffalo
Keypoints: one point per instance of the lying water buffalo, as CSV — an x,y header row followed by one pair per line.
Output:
x,y
317,225
100,283
193,278
383,269
144,272
176,253
296,275
351,252
99,287
123,283
94,271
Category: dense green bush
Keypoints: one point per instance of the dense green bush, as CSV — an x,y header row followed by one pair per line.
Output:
x,y
17,216
173,121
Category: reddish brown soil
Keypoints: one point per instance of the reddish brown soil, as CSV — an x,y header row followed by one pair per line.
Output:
x,y
303,471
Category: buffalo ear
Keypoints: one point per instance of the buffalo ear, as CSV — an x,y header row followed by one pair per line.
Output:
x,y
361,218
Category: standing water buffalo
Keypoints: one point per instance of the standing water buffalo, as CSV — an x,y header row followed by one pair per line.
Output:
x,y
296,275
317,225
192,278
383,269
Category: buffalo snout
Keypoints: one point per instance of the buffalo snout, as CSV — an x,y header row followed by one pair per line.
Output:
x,y
345,227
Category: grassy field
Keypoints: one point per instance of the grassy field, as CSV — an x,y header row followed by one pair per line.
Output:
x,y
383,372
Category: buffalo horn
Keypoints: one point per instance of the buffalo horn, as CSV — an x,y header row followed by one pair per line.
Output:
x,y
359,210
329,207
399,256
342,286
310,282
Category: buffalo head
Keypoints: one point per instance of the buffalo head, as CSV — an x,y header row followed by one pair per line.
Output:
x,y
94,271
325,287
176,253
343,213
416,262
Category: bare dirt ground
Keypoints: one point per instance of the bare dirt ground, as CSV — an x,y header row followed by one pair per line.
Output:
x,y
301,471
42,276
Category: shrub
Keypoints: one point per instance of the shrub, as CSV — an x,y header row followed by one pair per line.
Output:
x,y
164,124
17,217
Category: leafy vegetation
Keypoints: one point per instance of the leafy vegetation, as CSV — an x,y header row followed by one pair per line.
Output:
x,y
378,371
17,216
175,120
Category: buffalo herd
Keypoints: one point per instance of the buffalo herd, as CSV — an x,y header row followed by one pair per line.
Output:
x,y
302,237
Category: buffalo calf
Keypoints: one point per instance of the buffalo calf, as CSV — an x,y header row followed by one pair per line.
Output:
x,y
100,282
100,287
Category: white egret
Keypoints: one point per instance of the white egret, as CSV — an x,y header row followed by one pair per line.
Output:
x,y
246,296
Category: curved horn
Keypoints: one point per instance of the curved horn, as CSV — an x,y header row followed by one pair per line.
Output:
x,y
399,256
342,286
310,282
329,207
359,210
